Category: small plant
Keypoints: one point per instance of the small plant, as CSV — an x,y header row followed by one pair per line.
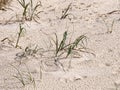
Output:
x,y
66,48
75,46
19,35
33,10
25,78
20,77
24,6
29,10
10,42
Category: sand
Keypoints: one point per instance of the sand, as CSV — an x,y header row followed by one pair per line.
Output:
x,y
99,69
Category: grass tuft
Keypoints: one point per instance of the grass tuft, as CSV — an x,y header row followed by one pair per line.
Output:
x,y
63,47
24,78
65,12
30,12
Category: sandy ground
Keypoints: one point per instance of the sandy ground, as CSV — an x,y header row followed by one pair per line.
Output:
x,y
94,18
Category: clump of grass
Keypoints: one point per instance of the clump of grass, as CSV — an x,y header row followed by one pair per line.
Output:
x,y
62,47
19,35
68,48
24,6
29,10
24,78
33,13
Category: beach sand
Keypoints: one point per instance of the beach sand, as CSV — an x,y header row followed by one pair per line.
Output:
x,y
99,69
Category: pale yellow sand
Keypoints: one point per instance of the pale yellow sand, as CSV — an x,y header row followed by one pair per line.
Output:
x,y
100,72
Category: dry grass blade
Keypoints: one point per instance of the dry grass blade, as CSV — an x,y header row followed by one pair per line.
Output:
x,y
10,42
22,3
24,6
19,76
65,13
30,78
33,9
19,35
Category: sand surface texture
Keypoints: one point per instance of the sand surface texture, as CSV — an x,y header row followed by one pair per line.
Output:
x,y
33,66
